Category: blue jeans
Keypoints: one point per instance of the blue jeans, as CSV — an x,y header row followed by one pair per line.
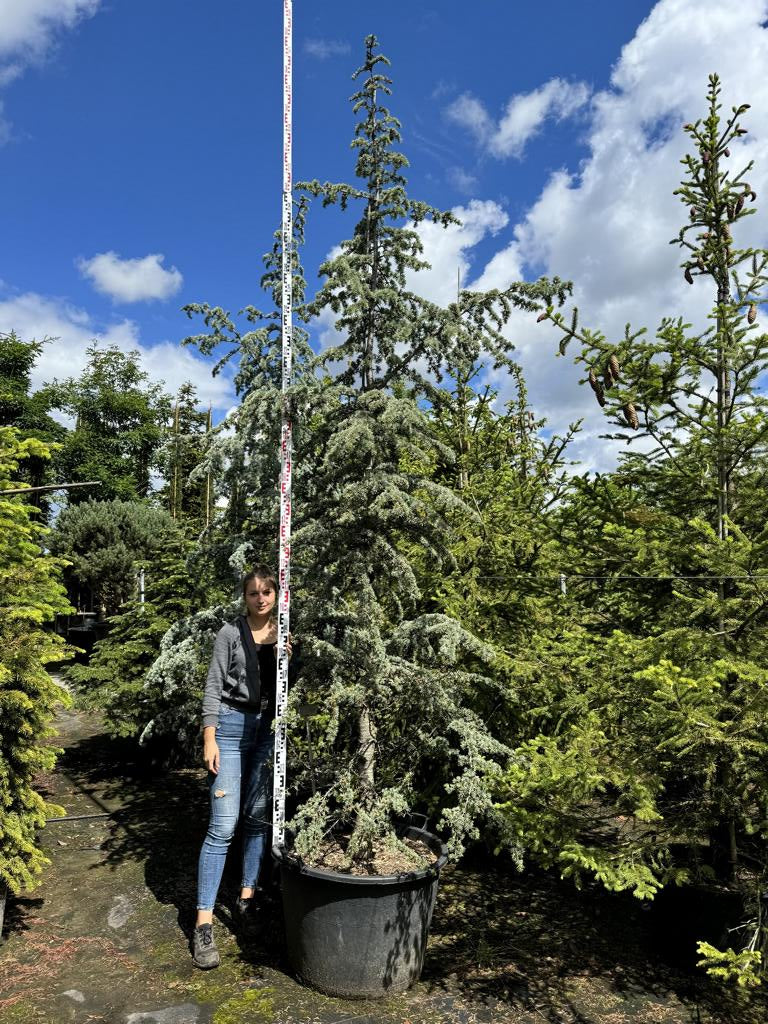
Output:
x,y
243,787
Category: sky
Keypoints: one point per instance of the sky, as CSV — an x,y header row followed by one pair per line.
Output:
x,y
141,155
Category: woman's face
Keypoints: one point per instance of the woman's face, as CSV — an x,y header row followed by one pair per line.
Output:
x,y
259,597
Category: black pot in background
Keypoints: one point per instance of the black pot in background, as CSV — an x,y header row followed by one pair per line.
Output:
x,y
359,936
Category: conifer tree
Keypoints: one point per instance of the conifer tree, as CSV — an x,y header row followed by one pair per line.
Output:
x,y
114,680
188,500
106,541
393,680
32,594
653,736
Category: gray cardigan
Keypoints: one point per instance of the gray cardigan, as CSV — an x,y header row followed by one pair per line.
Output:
x,y
226,675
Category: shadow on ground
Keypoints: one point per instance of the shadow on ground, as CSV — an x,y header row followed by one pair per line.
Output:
x,y
104,938
158,819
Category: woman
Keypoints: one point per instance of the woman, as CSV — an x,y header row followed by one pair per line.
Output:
x,y
238,709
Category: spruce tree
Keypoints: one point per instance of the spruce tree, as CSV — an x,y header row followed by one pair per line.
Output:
x,y
114,681
656,703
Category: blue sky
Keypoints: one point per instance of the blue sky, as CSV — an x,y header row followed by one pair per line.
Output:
x,y
140,145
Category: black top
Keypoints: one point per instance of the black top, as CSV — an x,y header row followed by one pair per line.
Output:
x,y
267,655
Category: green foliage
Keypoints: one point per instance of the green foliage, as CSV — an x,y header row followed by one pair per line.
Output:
x,y
104,542
120,419
26,411
644,708
393,678
31,595
115,679
188,495
743,967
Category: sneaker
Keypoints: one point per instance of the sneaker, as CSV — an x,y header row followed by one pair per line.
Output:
x,y
204,952
243,907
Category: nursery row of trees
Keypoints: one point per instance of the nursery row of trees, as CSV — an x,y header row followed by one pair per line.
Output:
x,y
613,729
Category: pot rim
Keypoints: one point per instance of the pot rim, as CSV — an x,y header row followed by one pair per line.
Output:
x,y
283,856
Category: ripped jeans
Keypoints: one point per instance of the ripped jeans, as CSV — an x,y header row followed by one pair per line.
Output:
x,y
243,787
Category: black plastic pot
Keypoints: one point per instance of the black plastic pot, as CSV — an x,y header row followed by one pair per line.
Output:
x,y
359,936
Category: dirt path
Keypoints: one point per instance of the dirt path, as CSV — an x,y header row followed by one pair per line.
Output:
x,y
105,936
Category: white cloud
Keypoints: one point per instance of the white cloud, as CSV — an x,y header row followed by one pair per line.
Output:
x,y
608,223
322,49
449,250
28,31
526,113
523,117
131,280
36,316
468,112
461,180
28,27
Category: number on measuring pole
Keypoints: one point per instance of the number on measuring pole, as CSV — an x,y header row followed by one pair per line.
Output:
x,y
286,442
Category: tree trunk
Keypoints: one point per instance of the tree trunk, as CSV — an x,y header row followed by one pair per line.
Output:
x,y
367,755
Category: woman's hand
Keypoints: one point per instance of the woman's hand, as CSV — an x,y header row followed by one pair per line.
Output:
x,y
210,749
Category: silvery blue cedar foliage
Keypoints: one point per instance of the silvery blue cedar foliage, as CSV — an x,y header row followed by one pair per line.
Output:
x,y
178,673
393,683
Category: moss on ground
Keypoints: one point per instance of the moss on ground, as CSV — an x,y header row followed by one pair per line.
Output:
x,y
252,1006
24,1012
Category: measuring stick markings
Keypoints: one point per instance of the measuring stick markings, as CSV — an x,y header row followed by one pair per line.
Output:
x,y
286,445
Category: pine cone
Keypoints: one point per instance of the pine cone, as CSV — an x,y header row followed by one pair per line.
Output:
x,y
542,316
688,276
613,362
752,196
752,314
726,152
597,387
607,377
692,212
705,156
630,415
739,204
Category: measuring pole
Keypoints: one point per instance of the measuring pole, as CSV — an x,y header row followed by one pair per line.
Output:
x,y
284,606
